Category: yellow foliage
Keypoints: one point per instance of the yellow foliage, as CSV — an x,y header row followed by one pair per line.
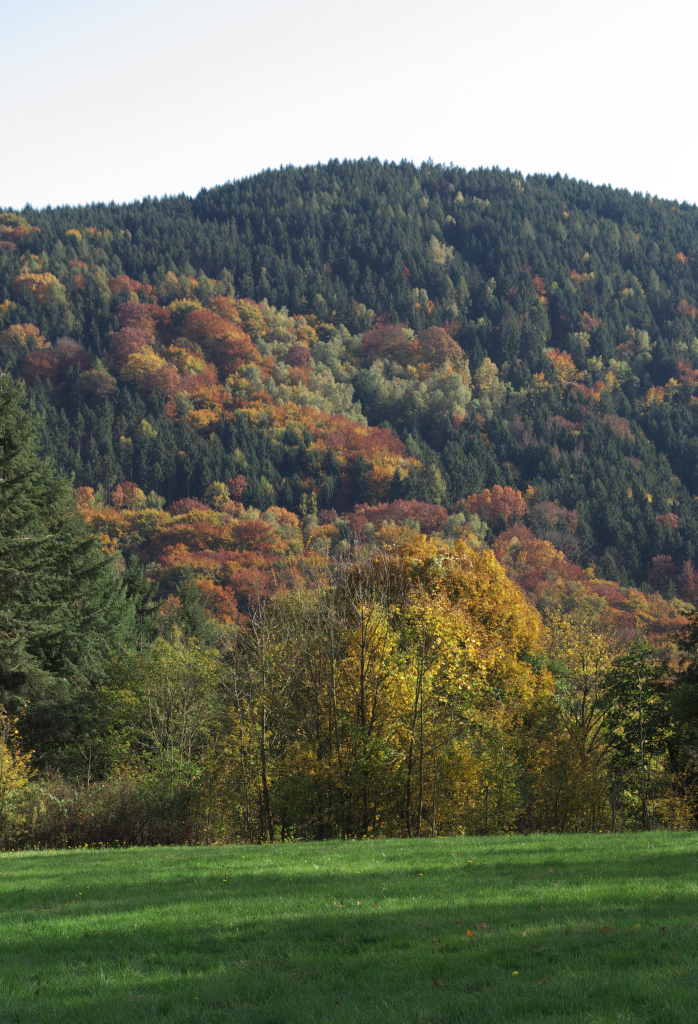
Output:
x,y
15,770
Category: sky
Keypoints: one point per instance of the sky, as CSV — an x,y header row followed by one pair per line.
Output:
x,y
113,102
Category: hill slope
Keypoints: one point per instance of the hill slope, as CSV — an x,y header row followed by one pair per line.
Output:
x,y
572,378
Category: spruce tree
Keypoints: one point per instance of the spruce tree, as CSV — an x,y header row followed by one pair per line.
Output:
x,y
63,610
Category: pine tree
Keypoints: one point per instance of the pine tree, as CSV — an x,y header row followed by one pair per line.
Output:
x,y
63,610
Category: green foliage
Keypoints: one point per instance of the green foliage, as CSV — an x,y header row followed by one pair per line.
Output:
x,y
167,702
637,706
63,611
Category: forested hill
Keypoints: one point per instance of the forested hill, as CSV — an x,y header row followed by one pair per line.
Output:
x,y
549,345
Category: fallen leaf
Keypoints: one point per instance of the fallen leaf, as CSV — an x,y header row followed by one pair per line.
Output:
x,y
459,922
662,930
485,926
542,908
470,934
358,903
606,928
375,903
637,926
544,981
437,984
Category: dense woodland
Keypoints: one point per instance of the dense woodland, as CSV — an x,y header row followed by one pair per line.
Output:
x,y
447,416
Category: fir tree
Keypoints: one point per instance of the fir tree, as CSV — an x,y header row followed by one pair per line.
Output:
x,y
63,611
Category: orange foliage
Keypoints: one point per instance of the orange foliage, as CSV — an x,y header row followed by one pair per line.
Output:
x,y
590,323
122,283
429,517
23,336
655,396
532,563
225,307
686,308
501,503
38,286
224,343
566,373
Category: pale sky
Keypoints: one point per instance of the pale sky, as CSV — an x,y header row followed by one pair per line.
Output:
x,y
114,101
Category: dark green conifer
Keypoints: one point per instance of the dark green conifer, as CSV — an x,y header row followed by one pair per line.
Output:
x,y
63,611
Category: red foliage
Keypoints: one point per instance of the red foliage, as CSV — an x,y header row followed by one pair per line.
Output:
x,y
555,514
501,503
53,362
688,583
353,440
125,342
122,283
687,375
670,520
200,533
223,342
429,517
297,355
136,314
661,572
236,485
619,425
123,493
184,505
531,563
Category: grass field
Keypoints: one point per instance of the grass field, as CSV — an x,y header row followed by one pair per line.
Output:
x,y
529,928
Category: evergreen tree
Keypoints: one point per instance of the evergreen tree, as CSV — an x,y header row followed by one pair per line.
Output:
x,y
63,611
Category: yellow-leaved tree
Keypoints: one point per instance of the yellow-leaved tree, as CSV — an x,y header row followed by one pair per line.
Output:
x,y
385,698
15,773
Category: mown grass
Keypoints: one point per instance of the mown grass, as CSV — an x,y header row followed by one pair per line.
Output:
x,y
578,928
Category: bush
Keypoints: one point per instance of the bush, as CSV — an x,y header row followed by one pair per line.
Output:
x,y
53,813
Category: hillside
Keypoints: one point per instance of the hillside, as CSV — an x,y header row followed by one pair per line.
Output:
x,y
412,335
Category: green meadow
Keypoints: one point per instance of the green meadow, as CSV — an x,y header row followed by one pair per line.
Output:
x,y
549,928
